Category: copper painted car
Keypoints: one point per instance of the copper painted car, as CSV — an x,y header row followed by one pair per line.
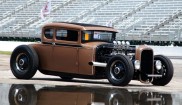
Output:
x,y
76,50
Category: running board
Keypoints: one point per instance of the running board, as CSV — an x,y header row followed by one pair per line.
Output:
x,y
152,75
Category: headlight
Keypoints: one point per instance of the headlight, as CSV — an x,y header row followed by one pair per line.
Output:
x,y
158,64
137,64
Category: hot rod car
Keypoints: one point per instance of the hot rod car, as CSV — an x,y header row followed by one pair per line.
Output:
x,y
77,50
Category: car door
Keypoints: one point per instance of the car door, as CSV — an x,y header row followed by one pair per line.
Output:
x,y
45,49
65,51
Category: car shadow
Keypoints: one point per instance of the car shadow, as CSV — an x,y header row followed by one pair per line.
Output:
x,y
136,85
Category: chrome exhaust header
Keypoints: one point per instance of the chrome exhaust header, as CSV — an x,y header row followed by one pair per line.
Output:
x,y
98,64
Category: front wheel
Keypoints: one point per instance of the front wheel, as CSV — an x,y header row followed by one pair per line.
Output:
x,y
166,71
24,62
120,70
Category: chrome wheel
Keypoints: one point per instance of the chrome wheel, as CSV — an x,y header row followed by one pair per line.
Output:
x,y
22,62
117,70
166,71
161,71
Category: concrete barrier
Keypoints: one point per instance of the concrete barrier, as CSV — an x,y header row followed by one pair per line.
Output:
x,y
11,45
165,50
173,52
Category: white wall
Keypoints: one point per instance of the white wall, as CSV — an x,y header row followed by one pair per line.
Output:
x,y
10,45
167,50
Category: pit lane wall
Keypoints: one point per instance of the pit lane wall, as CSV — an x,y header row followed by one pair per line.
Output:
x,y
11,45
171,51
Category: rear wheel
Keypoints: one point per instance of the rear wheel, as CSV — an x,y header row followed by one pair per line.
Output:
x,y
120,70
24,62
166,71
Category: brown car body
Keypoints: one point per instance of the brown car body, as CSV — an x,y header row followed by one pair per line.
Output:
x,y
68,56
76,50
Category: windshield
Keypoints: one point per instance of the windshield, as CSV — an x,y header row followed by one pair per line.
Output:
x,y
104,36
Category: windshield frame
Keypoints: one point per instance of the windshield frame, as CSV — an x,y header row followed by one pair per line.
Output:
x,y
91,34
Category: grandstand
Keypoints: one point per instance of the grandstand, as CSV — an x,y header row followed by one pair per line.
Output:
x,y
137,20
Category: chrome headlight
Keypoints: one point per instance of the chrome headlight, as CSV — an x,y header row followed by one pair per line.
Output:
x,y
137,64
158,64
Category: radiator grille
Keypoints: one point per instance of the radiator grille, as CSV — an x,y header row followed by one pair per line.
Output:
x,y
146,64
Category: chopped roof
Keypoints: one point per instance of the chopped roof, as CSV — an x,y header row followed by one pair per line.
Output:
x,y
80,26
83,24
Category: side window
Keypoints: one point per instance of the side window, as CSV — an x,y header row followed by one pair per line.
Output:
x,y
67,35
49,33
61,34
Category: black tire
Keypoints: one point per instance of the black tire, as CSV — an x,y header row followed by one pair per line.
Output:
x,y
22,95
166,71
24,62
120,70
66,78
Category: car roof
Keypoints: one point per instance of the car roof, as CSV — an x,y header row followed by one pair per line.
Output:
x,y
85,24
80,26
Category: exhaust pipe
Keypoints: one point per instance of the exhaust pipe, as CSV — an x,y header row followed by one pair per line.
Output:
x,y
98,64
